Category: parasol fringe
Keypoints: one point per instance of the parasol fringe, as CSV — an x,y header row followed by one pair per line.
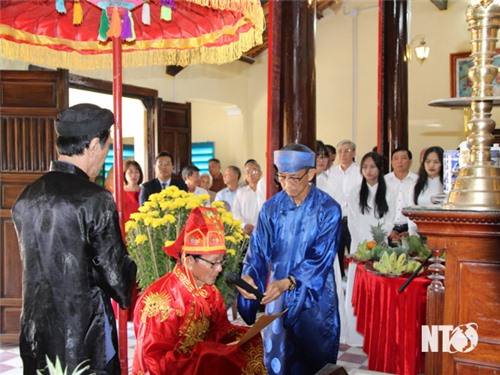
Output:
x,y
209,55
251,9
166,13
104,26
60,6
146,13
132,28
77,13
126,33
115,27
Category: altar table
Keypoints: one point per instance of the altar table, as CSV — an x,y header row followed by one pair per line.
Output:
x,y
390,321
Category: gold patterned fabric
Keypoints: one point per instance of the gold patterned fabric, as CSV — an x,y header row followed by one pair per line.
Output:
x,y
181,329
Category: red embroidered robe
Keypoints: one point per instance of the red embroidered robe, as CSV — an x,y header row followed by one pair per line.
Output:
x,y
184,330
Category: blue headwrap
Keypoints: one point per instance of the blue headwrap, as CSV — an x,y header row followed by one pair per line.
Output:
x,y
292,161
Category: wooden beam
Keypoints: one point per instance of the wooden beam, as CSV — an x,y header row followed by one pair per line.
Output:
x,y
440,4
173,70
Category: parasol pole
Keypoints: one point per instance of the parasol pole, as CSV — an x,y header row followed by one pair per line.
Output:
x,y
118,162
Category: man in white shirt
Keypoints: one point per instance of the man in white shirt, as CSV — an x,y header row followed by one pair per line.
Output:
x,y
246,202
343,178
231,178
400,181
191,176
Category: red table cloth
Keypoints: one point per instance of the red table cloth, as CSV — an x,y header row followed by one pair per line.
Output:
x,y
390,321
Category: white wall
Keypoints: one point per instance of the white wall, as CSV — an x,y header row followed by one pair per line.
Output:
x,y
245,86
209,118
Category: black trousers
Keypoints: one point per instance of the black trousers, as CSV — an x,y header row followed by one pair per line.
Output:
x,y
345,242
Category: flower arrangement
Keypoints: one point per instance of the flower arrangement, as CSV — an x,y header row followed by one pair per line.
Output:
x,y
159,222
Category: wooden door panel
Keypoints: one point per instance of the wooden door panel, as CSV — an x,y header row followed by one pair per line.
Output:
x,y
174,132
29,105
11,262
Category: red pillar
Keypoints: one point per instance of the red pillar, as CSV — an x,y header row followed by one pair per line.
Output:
x,y
118,184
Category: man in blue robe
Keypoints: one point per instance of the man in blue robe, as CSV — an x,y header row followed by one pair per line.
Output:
x,y
292,251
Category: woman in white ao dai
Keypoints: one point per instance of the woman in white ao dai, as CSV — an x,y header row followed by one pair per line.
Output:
x,y
429,181
370,203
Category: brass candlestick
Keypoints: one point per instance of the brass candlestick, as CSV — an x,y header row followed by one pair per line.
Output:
x,y
477,185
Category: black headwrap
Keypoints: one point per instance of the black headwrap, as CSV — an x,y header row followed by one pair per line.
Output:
x,y
84,119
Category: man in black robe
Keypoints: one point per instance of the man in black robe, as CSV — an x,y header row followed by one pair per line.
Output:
x,y
74,258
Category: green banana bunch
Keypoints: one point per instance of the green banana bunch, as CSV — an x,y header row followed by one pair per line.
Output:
x,y
394,264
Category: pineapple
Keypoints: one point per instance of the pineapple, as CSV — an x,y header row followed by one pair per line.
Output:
x,y
379,235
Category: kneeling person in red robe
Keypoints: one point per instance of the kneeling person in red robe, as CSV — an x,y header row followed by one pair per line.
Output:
x,y
180,320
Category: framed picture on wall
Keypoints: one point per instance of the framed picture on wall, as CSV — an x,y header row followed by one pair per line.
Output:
x,y
461,85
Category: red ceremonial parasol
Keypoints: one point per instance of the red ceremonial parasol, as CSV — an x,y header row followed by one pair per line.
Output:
x,y
95,34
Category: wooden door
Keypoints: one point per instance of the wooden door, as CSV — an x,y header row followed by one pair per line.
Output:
x,y
174,132
29,105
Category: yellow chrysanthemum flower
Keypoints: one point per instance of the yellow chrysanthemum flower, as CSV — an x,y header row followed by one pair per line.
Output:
x,y
231,239
148,220
218,204
169,219
157,223
204,197
179,203
129,225
166,205
140,239
190,204
154,213
138,216
152,202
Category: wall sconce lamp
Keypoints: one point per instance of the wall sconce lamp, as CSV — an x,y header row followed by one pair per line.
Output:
x,y
421,50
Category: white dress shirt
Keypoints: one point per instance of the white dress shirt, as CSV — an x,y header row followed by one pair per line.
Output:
x,y
226,195
342,182
261,192
246,206
322,183
401,189
199,191
360,224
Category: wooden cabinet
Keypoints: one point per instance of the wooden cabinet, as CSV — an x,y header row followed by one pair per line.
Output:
x,y
472,280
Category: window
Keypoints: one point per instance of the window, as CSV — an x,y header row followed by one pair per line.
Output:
x,y
128,152
201,153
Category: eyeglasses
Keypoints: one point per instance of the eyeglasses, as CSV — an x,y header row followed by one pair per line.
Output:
x,y
295,179
164,164
252,171
344,151
212,264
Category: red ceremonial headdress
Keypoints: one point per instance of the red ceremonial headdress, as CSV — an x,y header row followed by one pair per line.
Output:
x,y
202,234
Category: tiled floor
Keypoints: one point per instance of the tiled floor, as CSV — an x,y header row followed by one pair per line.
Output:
x,y
10,362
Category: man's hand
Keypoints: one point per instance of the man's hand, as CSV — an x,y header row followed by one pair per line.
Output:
x,y
275,289
395,236
243,292
248,228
